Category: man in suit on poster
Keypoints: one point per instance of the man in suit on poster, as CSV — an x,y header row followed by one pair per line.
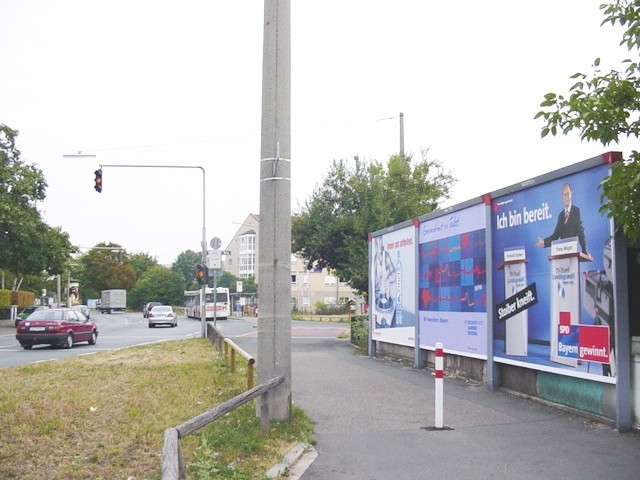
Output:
x,y
569,223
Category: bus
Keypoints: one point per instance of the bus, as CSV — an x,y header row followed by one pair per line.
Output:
x,y
222,303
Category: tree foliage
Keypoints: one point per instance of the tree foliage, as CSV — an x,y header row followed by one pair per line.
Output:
x,y
28,246
185,266
332,228
105,267
157,284
141,262
230,281
604,108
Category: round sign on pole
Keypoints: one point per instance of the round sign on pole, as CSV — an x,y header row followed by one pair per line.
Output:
x,y
215,243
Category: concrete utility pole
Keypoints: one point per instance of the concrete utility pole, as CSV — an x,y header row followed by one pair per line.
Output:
x,y
401,134
274,248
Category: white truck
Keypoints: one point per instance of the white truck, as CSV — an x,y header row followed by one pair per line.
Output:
x,y
113,301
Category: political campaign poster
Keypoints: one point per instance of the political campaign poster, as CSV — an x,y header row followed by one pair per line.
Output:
x,y
393,272
453,282
559,318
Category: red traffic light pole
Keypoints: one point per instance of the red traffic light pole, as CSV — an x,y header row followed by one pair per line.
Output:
x,y
203,313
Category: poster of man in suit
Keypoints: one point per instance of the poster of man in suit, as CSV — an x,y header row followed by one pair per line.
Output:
x,y
569,223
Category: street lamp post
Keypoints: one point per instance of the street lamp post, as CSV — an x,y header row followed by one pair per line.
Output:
x,y
79,155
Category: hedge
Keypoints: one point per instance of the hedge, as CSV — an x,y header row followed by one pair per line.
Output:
x,y
20,298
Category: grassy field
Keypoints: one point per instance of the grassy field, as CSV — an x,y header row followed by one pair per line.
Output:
x,y
103,416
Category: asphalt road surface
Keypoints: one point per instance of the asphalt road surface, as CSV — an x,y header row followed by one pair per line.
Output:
x,y
121,330
118,330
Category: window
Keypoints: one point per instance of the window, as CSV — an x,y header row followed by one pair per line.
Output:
x,y
329,280
306,279
247,243
246,264
329,300
294,279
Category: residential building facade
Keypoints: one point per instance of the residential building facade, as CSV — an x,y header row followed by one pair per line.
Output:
x,y
308,286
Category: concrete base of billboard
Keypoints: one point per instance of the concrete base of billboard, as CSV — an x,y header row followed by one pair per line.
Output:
x,y
589,397
465,367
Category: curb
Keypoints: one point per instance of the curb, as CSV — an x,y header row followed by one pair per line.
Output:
x,y
294,463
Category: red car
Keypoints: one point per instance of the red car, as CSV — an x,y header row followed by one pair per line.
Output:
x,y
56,326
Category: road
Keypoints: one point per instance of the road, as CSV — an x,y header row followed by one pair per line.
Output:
x,y
121,330
118,330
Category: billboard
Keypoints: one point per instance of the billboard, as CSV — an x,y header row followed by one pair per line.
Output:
x,y
552,280
393,273
453,282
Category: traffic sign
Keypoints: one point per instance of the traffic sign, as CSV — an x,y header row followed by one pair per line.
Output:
x,y
214,259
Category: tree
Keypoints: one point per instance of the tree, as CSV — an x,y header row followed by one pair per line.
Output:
x,y
185,266
249,285
604,108
104,268
158,284
141,262
28,246
331,229
228,280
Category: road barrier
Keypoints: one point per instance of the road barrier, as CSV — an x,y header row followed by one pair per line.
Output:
x,y
439,387
230,349
173,467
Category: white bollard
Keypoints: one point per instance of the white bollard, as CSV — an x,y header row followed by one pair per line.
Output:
x,y
439,387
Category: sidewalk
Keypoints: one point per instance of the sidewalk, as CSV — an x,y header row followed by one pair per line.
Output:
x,y
7,326
370,416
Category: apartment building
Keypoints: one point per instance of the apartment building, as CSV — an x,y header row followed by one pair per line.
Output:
x,y
308,286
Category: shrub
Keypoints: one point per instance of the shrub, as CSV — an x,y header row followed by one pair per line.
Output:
x,y
4,298
360,332
324,309
10,297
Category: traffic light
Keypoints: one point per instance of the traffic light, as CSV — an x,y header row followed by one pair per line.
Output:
x,y
201,274
98,180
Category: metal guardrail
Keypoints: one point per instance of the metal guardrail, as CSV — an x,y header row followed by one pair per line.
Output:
x,y
173,467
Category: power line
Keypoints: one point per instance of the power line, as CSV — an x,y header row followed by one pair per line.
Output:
x,y
238,137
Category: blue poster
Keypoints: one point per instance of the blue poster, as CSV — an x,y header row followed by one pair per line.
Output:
x,y
452,291
568,256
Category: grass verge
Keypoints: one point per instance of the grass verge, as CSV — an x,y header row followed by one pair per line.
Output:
x,y
103,416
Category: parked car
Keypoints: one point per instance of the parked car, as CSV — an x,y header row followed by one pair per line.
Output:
x,y
26,312
84,309
147,308
162,315
56,326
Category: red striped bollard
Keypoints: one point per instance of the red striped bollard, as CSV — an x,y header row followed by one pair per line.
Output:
x,y
439,387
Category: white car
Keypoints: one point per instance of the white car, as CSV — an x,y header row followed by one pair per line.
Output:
x,y
82,309
162,315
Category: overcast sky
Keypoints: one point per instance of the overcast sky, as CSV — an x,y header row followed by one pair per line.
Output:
x,y
150,82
